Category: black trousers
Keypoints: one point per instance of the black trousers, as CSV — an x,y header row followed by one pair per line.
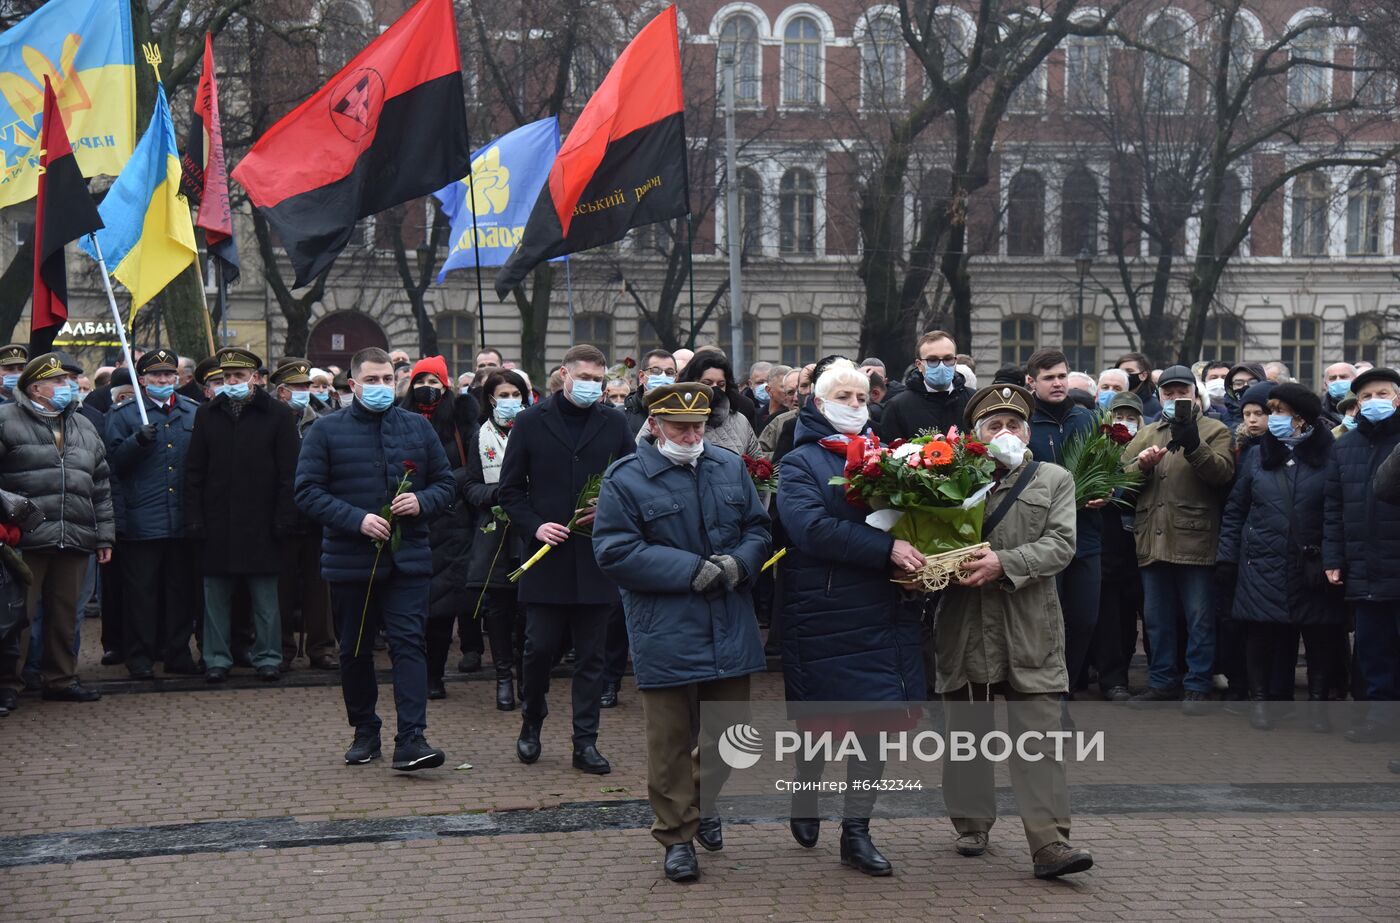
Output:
x,y
859,800
158,601
468,630
113,615
504,619
615,657
1271,654
398,606
1079,604
1115,635
545,627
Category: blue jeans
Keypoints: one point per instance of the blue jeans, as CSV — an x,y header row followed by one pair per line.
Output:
x,y
1170,591
1378,653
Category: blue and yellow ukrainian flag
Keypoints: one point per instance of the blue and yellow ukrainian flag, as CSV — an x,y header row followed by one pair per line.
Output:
x,y
85,49
149,237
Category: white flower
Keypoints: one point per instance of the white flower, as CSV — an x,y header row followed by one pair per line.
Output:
x,y
904,451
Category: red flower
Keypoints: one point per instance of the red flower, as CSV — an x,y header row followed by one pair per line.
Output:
x,y
871,469
1119,434
630,362
896,444
409,467
975,448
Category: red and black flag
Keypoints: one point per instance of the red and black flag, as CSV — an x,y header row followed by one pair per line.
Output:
x,y
390,127
204,173
623,163
63,213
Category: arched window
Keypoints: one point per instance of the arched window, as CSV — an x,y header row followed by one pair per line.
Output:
x,y
456,333
1365,205
750,211
797,212
1081,349
1165,75
1231,207
1224,338
1025,215
345,31
1310,84
1299,347
931,201
1363,339
1312,195
1086,76
738,41
882,63
802,62
801,339
1079,213
595,329
1019,339
1374,87
952,42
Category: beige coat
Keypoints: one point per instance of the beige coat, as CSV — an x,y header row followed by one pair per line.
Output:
x,y
1012,630
1179,504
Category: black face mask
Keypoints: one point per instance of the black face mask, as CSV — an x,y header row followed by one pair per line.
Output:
x,y
426,395
1134,381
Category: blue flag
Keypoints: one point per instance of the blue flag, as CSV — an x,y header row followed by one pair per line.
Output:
x,y
507,175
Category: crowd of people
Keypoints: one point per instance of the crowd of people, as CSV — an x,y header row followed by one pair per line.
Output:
x,y
228,514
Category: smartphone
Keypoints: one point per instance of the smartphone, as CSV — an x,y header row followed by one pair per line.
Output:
x,y
1183,409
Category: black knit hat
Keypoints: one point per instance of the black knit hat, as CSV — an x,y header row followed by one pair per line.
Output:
x,y
1258,393
1303,401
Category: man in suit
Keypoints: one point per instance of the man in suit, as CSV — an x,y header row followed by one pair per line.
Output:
x,y
564,591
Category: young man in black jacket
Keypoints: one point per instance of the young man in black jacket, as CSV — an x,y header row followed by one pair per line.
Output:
x,y
934,396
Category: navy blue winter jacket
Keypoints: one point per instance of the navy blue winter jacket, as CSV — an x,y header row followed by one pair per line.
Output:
x,y
351,462
1049,434
1361,532
150,478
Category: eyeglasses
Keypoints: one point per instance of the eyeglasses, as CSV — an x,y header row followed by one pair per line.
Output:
x,y
656,371
949,361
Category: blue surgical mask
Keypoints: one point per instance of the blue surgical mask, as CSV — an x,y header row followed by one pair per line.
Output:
x,y
506,409
1106,398
62,397
937,375
1377,409
1338,389
322,397
237,392
160,393
1281,425
1349,422
377,398
11,381
1168,410
659,381
301,398
585,393
761,393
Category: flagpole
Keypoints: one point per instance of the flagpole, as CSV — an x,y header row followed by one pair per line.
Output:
x,y
569,294
221,299
121,328
476,246
208,328
690,270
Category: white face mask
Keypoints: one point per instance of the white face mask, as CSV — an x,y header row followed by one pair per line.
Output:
x,y
678,454
846,419
1215,389
1008,449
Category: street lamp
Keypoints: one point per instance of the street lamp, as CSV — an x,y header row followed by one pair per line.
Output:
x,y
1082,261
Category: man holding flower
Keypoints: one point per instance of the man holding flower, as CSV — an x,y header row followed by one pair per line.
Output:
x,y
373,475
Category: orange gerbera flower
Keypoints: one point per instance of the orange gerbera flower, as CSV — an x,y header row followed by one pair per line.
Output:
x,y
938,452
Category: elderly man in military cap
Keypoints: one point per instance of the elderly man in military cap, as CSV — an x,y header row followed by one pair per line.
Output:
x,y
54,457
157,568
208,378
239,475
999,633
300,586
681,530
13,359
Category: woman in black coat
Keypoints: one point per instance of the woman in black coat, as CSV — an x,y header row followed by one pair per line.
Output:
x,y
495,553
1271,534
449,534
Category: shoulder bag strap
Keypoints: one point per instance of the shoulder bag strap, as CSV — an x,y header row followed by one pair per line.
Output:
x,y
995,519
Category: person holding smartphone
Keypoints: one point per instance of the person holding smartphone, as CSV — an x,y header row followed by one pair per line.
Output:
x,y
1187,462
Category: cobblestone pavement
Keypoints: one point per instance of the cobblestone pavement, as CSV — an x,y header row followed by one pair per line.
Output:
x,y
175,800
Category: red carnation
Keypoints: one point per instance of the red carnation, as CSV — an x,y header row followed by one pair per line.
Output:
x,y
976,448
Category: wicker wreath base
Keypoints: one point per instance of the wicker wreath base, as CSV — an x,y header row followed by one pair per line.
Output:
x,y
942,569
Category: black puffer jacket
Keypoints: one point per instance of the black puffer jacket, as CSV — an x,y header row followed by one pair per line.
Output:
x,y
70,487
1361,532
917,408
450,535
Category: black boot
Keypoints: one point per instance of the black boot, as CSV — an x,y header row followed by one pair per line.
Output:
x,y
527,746
858,851
1259,717
804,819
505,690
1318,719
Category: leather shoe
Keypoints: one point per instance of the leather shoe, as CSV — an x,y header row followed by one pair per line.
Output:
x,y
111,658
527,746
588,759
470,663
143,673
1060,858
609,697
505,692
325,662
681,864
9,699
971,844
436,689
711,834
269,674
75,692
216,675
805,830
859,852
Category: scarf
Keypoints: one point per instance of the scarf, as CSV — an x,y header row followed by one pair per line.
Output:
x,y
491,445
838,444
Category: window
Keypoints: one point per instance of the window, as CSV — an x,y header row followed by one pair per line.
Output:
x,y
595,330
590,64
457,341
802,62
882,63
750,342
1363,339
952,45
1086,86
931,201
1079,213
797,207
345,31
1365,204
801,339
738,42
647,338
1018,339
1299,350
1165,77
1242,52
1223,340
1374,87
750,212
1029,95
1025,215
1311,196
1310,84
1231,205
1082,351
